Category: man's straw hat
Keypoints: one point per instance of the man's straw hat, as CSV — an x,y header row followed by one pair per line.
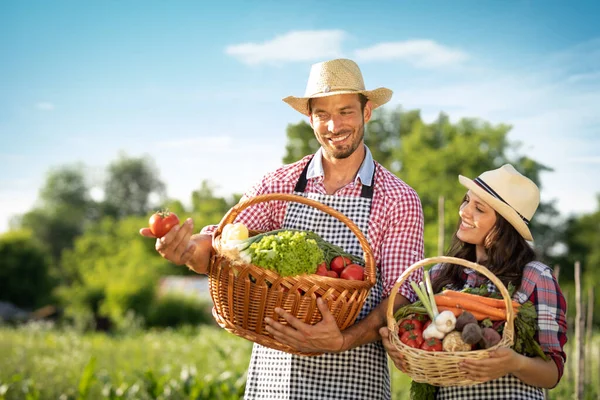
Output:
x,y
512,195
340,76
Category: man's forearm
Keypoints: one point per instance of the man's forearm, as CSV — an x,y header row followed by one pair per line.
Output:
x,y
367,330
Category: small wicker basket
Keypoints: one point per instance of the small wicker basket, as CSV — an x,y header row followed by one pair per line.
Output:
x,y
244,294
440,368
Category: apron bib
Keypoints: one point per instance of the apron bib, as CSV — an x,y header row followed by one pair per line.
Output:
x,y
360,373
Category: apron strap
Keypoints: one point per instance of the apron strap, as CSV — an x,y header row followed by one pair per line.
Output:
x,y
366,191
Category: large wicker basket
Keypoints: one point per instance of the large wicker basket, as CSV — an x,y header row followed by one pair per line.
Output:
x,y
243,295
440,368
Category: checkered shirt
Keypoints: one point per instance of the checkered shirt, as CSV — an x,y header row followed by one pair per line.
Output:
x,y
395,225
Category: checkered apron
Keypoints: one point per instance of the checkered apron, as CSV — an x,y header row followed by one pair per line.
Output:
x,y
360,373
505,388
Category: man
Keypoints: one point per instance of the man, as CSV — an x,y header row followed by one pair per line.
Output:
x,y
343,175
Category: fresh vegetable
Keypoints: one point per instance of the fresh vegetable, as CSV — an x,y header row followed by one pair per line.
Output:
x,y
433,332
413,338
470,305
445,321
353,272
463,319
472,333
432,344
490,337
339,263
454,342
478,315
498,303
409,324
322,269
161,222
237,231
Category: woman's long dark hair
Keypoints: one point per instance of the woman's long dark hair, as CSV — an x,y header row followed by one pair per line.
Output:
x,y
507,253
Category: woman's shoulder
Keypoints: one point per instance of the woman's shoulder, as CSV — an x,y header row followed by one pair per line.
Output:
x,y
537,276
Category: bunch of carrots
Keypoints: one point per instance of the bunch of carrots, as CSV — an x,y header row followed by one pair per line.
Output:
x,y
481,307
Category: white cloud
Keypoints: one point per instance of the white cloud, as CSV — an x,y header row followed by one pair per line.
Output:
x,y
45,106
290,47
419,53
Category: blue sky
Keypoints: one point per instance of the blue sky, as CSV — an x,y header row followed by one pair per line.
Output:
x,y
197,85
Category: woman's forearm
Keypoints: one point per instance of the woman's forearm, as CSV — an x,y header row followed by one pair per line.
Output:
x,y
537,372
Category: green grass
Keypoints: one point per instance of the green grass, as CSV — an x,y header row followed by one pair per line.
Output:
x,y
38,362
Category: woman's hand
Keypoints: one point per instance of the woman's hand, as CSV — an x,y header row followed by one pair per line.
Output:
x,y
502,361
392,350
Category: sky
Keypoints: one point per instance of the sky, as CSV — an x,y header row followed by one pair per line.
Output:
x,y
197,86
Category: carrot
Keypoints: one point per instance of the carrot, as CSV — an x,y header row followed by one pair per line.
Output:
x,y
498,303
470,305
478,316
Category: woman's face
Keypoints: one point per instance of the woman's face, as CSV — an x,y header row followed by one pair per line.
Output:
x,y
477,220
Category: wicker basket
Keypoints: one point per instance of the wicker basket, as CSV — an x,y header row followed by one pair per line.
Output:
x,y
244,294
440,368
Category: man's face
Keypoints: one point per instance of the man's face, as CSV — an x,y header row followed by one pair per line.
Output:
x,y
339,123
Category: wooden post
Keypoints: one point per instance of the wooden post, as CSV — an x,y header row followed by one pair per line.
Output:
x,y
579,355
441,229
556,272
588,335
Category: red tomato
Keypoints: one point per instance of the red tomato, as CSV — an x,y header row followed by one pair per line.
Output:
x,y
161,222
353,272
332,274
412,338
339,263
432,344
409,324
322,269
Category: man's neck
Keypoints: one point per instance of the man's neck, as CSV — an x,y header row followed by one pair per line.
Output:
x,y
340,172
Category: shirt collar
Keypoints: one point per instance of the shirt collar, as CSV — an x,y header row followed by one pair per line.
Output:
x,y
365,172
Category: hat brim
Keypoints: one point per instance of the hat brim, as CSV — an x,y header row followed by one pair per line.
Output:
x,y
502,208
377,97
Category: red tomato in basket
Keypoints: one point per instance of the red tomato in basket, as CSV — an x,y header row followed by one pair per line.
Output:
x,y
432,344
339,263
409,324
322,269
353,272
161,222
413,338
332,274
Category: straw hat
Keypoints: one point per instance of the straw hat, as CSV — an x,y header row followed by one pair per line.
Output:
x,y
511,194
340,76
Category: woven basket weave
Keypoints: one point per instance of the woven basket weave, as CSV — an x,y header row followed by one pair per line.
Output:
x,y
241,303
440,368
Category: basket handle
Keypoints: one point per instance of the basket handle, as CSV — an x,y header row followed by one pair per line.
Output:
x,y
510,313
235,211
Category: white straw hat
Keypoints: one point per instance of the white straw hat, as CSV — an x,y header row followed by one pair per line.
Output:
x,y
340,76
511,194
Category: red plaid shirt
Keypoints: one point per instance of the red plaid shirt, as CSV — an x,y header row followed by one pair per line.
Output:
x,y
395,225
539,286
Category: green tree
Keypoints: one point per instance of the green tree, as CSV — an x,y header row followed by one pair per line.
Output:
x,y
130,185
24,270
64,207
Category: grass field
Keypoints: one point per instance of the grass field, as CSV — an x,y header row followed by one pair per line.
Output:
x,y
39,362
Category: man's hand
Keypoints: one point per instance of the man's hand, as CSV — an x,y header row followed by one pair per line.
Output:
x,y
176,245
392,350
324,336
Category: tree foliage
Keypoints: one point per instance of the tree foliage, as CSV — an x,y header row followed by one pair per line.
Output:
x,y
24,270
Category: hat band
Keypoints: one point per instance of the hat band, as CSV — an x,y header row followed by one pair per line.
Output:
x,y
491,191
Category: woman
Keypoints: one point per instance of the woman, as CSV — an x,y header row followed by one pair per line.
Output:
x,y
493,231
